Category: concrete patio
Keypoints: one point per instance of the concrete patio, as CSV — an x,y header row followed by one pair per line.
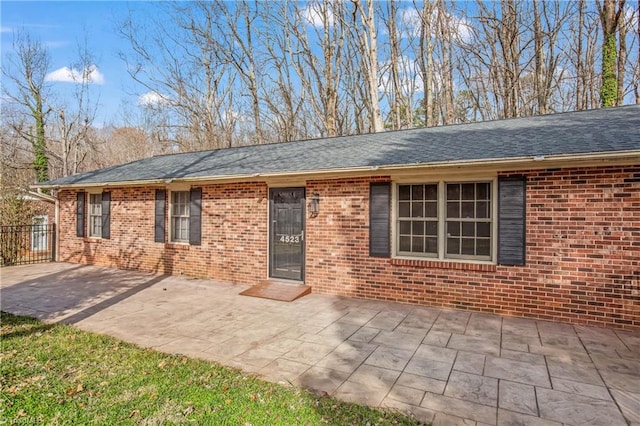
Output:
x,y
441,366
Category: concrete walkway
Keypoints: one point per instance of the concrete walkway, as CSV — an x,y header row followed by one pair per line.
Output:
x,y
445,367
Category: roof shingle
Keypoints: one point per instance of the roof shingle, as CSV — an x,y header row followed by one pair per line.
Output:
x,y
585,132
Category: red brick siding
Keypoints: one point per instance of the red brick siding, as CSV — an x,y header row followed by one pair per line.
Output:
x,y
583,253
583,247
234,229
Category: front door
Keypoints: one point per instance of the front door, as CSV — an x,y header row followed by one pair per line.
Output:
x,y
286,233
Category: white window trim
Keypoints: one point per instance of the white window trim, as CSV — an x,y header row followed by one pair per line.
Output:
x,y
171,233
89,215
441,219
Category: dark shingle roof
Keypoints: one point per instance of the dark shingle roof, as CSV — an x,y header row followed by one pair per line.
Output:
x,y
585,132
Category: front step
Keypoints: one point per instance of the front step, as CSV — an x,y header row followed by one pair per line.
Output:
x,y
277,290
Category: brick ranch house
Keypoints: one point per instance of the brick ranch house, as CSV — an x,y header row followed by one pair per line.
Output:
x,y
532,217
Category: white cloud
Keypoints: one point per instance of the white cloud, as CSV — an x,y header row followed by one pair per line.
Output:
x,y
90,74
152,98
6,30
313,15
55,44
409,76
411,20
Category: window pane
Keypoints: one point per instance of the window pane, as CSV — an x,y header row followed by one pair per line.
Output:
x,y
417,192
404,192
482,209
483,229
453,191
180,216
418,228
431,209
468,192
453,246
431,245
468,229
417,209
483,247
405,209
482,191
431,192
405,243
468,246
432,228
96,226
95,204
405,227
468,209
418,244
453,228
453,209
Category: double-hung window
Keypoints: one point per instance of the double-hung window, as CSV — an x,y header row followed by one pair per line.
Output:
x,y
445,220
95,215
180,216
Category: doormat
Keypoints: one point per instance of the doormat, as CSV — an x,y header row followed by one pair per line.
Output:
x,y
277,290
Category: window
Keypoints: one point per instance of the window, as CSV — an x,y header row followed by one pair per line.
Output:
x,y
418,219
180,216
95,215
445,220
468,220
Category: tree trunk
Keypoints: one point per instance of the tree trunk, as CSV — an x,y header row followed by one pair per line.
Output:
x,y
426,61
609,19
368,46
397,97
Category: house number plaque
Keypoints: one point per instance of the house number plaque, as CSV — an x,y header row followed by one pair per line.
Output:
x,y
290,239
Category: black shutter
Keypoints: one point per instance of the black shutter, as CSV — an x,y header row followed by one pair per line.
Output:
x,y
379,223
106,215
511,221
80,198
195,215
161,203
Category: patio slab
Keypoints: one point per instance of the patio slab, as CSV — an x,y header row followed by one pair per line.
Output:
x,y
441,366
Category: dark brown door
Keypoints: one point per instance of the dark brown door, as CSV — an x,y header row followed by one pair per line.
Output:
x,y
286,233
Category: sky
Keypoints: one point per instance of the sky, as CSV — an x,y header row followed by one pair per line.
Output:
x,y
61,26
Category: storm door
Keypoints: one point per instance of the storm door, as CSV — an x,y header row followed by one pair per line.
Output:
x,y
39,233
286,233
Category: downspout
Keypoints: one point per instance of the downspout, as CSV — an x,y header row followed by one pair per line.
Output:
x,y
56,230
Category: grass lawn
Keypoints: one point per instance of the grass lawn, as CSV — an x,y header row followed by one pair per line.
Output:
x,y
57,374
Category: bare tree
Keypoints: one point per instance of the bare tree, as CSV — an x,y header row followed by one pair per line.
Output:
x,y
364,35
26,68
636,73
183,75
71,128
282,97
235,44
396,98
319,74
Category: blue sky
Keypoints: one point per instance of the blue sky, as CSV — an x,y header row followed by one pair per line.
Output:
x,y
61,26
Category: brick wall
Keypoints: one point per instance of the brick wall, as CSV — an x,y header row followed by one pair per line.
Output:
x,y
234,235
583,247
583,253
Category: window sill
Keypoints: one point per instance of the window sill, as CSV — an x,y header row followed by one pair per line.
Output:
x,y
444,264
177,246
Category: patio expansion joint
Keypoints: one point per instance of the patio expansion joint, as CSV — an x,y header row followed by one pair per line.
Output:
x,y
615,401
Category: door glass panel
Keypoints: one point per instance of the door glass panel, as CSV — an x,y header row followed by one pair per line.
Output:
x,y
287,237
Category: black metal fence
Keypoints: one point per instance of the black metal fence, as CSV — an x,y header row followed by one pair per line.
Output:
x,y
23,244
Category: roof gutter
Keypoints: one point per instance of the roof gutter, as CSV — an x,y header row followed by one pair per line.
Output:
x,y
535,162
42,196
